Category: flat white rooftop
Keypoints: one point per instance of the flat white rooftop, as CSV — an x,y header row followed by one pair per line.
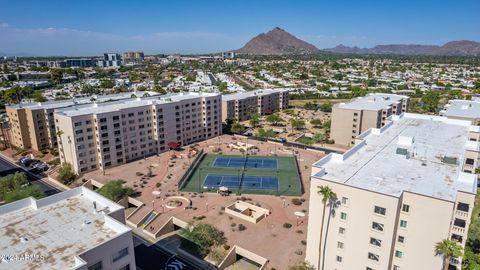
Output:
x,y
81,100
106,107
373,101
259,92
462,108
407,155
58,228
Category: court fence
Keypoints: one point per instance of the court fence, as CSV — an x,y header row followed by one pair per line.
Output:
x,y
191,169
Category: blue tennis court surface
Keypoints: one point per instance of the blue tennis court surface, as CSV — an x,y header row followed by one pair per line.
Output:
x,y
237,182
239,162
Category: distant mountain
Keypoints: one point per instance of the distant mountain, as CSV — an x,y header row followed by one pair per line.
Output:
x,y
461,47
453,48
277,42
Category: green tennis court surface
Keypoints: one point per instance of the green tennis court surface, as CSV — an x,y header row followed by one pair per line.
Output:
x,y
275,175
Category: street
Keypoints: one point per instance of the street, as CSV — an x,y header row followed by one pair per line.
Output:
x,y
7,167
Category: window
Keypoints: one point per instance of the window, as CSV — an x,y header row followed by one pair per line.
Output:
x,y
345,201
97,266
339,259
369,268
373,257
340,245
375,242
343,216
405,208
341,230
380,210
401,239
377,226
403,223
126,267
120,254
398,254
396,267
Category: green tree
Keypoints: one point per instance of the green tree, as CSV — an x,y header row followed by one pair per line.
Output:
x,y
237,128
316,122
66,174
265,134
328,198
319,137
302,266
56,75
448,249
297,123
254,119
430,101
205,236
274,119
107,84
38,97
15,94
114,190
11,182
326,106
326,126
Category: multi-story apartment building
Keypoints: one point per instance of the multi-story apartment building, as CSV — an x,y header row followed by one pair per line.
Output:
x,y
463,110
33,125
99,136
400,190
239,106
75,229
133,57
110,60
360,114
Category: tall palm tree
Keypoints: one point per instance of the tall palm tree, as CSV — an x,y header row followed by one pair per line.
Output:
x,y
328,196
448,249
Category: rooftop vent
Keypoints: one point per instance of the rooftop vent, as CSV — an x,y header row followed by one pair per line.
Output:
x,y
23,239
424,161
405,140
86,222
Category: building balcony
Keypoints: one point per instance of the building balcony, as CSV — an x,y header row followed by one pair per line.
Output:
x,y
460,213
458,229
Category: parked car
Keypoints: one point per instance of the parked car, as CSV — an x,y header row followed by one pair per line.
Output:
x,y
26,161
41,167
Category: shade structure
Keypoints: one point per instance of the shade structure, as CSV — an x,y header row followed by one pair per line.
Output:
x,y
173,145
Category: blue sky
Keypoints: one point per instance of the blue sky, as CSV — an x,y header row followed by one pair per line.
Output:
x,y
89,27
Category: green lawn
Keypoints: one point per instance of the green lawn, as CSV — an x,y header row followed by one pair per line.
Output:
x,y
287,172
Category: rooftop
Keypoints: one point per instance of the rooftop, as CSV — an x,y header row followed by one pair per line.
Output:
x,y
416,153
374,101
462,108
59,228
129,103
260,92
81,100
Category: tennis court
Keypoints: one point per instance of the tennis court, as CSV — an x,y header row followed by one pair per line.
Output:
x,y
240,162
273,175
214,181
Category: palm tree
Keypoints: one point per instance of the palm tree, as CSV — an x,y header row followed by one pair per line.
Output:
x,y
328,197
448,249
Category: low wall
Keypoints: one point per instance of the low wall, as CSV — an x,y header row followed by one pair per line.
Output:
x,y
231,258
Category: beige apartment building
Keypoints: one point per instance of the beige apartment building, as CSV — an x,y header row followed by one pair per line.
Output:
x,y
33,125
401,189
463,109
75,229
100,136
360,114
239,106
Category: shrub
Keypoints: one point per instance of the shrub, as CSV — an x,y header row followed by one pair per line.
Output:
x,y
287,225
205,236
157,185
226,247
296,201
114,191
66,174
54,162
241,227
